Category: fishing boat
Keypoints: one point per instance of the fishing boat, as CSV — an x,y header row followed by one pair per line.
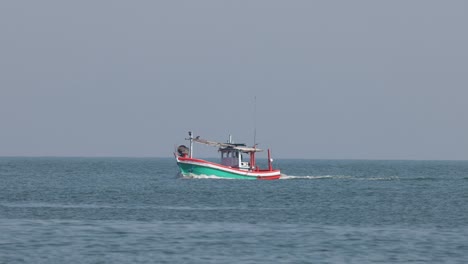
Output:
x,y
232,165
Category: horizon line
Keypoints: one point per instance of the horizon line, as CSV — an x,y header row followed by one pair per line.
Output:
x,y
260,158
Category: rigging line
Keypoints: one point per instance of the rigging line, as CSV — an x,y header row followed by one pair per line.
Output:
x,y
255,121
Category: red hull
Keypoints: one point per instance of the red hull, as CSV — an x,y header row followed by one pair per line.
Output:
x,y
276,177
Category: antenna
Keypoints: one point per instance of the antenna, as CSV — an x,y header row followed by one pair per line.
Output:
x,y
255,121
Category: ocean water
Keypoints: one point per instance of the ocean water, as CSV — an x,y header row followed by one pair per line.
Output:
x,y
138,210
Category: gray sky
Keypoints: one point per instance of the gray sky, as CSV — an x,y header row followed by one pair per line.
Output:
x,y
333,79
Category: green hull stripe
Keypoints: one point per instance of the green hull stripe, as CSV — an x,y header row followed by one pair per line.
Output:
x,y
188,169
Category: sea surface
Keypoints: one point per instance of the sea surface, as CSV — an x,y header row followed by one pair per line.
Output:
x,y
139,210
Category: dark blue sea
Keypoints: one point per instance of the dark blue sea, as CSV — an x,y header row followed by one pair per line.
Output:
x,y
138,210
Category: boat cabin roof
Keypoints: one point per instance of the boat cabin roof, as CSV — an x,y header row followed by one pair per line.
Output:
x,y
228,146
240,149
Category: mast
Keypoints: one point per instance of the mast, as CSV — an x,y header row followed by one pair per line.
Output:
x,y
255,121
191,143
252,153
270,167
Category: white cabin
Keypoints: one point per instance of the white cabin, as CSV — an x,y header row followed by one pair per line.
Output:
x,y
233,158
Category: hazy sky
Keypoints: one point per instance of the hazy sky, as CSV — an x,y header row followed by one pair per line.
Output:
x,y
333,79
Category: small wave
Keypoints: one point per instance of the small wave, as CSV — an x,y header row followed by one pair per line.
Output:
x,y
420,179
390,178
338,177
135,207
55,205
310,177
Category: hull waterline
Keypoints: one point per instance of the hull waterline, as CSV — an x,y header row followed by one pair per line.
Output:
x,y
195,167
